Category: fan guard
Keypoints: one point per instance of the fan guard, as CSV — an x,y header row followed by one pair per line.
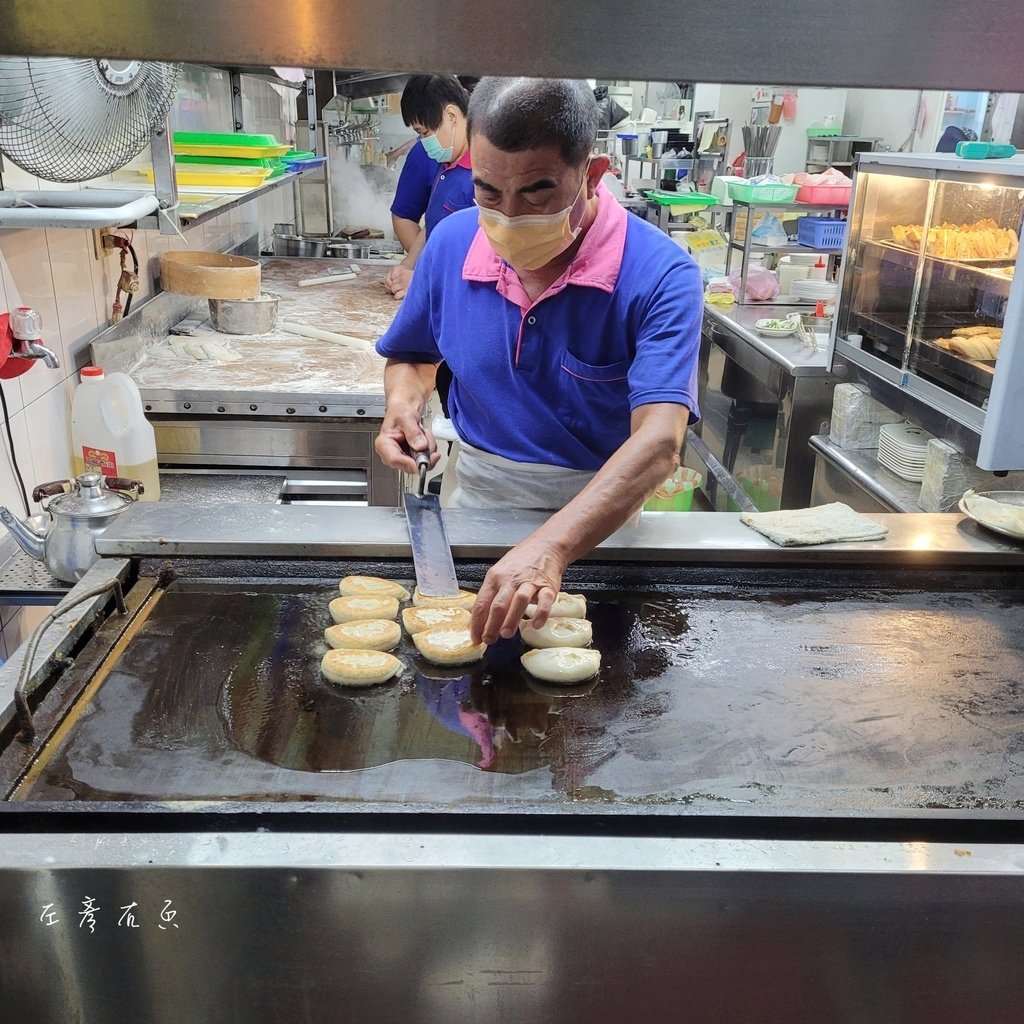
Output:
x,y
71,120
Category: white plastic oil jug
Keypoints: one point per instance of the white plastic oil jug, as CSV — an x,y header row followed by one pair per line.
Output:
x,y
110,432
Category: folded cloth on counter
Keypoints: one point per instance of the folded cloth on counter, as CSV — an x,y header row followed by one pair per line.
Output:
x,y
827,524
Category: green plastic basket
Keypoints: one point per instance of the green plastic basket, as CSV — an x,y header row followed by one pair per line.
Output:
x,y
762,193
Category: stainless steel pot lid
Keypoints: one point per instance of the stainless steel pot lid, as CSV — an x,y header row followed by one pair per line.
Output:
x,y
90,497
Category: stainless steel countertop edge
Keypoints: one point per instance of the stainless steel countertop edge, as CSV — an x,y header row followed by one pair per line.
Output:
x,y
809,365
934,540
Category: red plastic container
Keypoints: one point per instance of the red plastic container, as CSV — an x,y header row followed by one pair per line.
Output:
x,y
832,195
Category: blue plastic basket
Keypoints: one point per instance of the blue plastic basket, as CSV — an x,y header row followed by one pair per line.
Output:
x,y
821,232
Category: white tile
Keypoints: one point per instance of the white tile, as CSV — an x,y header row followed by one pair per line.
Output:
x,y
71,256
10,493
16,178
12,386
25,266
3,646
50,417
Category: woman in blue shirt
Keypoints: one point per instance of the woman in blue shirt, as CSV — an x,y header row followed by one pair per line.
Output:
x,y
435,106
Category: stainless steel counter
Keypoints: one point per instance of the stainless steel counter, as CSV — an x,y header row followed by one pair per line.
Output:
x,y
264,531
792,354
760,400
859,475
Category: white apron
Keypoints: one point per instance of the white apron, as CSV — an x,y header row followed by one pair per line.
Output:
x,y
483,480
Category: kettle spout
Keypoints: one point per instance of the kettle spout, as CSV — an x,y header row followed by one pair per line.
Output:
x,y
30,541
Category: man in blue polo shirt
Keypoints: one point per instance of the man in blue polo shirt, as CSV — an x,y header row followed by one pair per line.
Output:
x,y
572,331
412,193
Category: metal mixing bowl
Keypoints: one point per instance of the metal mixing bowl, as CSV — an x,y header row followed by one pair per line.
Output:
x,y
349,250
296,245
240,316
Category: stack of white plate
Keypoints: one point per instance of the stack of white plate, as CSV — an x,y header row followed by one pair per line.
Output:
x,y
813,291
902,449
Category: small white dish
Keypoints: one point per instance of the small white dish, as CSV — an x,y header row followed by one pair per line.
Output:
x,y
775,331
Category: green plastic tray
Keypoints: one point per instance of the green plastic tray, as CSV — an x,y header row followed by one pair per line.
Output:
x,y
656,195
227,161
224,139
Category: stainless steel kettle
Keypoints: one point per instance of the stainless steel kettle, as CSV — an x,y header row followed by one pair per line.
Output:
x,y
64,536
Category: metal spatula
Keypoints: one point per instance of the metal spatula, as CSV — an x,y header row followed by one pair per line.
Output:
x,y
431,552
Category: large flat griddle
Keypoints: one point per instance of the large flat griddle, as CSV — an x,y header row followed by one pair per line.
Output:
x,y
782,697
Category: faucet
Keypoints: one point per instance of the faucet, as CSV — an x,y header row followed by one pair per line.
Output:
x,y
27,327
33,350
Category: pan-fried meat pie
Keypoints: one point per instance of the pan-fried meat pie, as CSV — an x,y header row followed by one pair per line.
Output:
x,y
351,609
557,632
565,665
359,668
365,635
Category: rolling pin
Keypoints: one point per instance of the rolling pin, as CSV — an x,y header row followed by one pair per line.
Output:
x,y
329,279
318,335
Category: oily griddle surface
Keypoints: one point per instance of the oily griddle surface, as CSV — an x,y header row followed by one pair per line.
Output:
x,y
709,700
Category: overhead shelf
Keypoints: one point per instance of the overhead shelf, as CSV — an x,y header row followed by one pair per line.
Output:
x,y
88,208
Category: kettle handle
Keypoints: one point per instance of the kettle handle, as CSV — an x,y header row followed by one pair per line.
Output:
x,y
50,490
122,483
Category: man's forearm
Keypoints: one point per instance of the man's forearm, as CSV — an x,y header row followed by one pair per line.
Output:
x,y
618,489
406,231
408,384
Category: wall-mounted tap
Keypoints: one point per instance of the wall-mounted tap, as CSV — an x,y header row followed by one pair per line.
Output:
x,y
27,328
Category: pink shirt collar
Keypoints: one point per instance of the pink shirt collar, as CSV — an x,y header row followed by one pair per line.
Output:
x,y
463,161
596,264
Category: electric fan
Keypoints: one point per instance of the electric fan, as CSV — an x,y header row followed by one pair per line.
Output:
x,y
66,119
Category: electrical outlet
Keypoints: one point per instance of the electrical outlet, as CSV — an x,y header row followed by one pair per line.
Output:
x,y
103,242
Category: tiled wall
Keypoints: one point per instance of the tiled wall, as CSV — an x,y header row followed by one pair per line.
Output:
x,y
56,272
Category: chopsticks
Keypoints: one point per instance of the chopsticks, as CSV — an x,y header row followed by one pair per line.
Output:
x,y
761,139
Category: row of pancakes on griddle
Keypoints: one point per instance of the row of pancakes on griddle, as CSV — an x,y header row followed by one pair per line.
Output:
x,y
365,631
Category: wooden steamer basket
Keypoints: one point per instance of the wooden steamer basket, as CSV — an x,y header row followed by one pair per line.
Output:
x,y
210,275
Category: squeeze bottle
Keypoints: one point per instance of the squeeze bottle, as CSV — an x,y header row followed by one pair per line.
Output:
x,y
110,432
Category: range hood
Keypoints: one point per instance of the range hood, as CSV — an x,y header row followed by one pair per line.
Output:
x,y
915,44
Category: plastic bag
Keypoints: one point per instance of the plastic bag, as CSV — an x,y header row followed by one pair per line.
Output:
x,y
762,284
770,232
721,291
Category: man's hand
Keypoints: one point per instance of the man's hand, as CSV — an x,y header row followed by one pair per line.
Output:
x,y
398,280
530,573
407,387
402,432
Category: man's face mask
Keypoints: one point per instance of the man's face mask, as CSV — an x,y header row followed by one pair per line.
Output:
x,y
533,240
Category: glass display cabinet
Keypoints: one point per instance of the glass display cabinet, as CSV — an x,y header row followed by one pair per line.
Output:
x,y
930,311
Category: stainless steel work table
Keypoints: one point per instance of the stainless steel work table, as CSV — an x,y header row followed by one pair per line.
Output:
x,y
761,399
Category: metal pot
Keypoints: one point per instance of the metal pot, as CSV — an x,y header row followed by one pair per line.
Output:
x,y
296,245
349,250
65,537
245,316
